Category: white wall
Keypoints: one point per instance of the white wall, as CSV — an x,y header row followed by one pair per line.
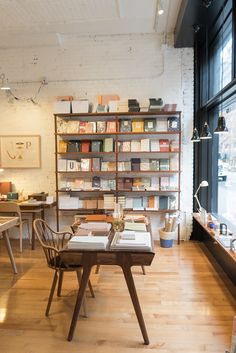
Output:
x,y
132,66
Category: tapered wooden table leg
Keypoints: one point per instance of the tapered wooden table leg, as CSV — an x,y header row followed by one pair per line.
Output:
x,y
134,297
79,300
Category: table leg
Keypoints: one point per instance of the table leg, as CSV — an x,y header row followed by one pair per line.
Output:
x,y
83,284
134,297
32,232
9,250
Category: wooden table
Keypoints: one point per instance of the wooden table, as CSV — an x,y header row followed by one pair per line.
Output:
x,y
35,208
5,224
123,258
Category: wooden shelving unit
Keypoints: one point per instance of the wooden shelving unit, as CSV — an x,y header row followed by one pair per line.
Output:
x,y
116,156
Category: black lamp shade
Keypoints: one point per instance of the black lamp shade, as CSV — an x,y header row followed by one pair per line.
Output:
x,y
195,137
221,126
205,132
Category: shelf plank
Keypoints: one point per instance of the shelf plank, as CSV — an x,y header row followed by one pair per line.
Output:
x,y
118,133
119,114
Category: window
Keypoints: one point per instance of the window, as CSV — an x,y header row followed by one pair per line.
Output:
x,y
227,167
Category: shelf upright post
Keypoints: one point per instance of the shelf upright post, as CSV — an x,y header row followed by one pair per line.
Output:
x,y
56,170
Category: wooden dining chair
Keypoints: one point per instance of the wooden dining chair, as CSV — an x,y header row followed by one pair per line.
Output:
x,y
13,209
52,243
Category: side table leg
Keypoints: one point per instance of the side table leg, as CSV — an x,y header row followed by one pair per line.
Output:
x,y
134,297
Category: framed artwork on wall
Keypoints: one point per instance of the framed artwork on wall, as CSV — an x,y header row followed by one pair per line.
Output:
x,y
20,151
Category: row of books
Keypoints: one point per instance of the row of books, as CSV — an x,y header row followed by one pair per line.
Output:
x,y
107,145
85,146
149,145
170,123
109,103
135,164
135,203
162,183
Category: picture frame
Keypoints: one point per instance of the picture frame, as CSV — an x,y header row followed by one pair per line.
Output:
x,y
20,151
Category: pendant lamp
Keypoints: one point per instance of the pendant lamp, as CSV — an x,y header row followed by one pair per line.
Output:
x,y
221,126
205,132
195,137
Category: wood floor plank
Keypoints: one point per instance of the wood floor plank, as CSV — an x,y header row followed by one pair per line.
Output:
x,y
186,306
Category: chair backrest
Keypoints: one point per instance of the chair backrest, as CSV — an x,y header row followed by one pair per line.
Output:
x,y
52,242
10,208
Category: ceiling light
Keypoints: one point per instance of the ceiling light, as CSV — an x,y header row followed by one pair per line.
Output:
x,y
221,126
205,132
195,137
160,9
4,85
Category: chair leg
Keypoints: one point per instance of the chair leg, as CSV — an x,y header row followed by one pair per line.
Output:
x,y
54,283
20,235
143,269
61,274
91,288
78,272
97,269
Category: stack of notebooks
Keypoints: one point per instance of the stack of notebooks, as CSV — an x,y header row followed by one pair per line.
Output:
x,y
125,241
88,242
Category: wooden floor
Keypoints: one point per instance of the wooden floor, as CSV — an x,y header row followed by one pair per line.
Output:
x,y
186,307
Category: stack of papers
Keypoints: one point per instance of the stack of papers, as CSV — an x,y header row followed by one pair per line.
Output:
x,y
137,227
101,226
89,242
142,241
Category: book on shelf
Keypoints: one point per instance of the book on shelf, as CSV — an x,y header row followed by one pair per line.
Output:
x,y
85,164
161,124
85,146
137,125
126,146
71,165
145,145
133,105
96,146
164,145
174,163
150,125
87,184
164,164
62,126
174,146
135,164
68,202
82,127
88,242
138,203
164,183
113,106
62,146
111,126
170,107
154,164
73,146
144,164
62,165
128,183
101,108
72,127
80,106
96,164
125,126
173,123
109,200
154,145
135,146
101,126
111,166
96,182
91,204
108,144
174,181
163,202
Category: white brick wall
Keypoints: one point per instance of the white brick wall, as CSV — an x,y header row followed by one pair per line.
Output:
x,y
132,66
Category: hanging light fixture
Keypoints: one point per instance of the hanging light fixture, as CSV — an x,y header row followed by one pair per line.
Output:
x,y
160,9
205,132
4,85
195,137
221,126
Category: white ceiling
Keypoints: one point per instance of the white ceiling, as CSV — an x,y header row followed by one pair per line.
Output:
x,y
44,22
